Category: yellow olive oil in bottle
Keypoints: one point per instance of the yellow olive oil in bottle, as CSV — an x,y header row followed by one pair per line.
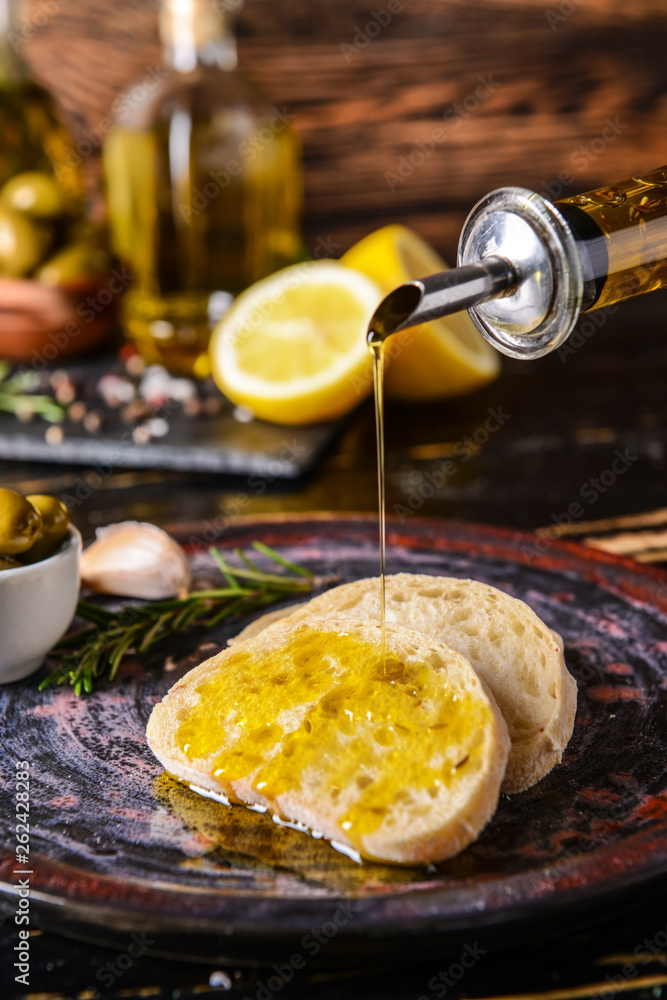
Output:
x,y
204,187
40,196
527,267
54,254
33,136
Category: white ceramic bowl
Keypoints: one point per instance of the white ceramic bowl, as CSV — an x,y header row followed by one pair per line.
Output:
x,y
37,604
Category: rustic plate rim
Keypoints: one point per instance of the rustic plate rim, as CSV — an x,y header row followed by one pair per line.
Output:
x,y
437,918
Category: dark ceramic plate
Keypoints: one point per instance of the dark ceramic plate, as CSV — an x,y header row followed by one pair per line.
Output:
x,y
116,847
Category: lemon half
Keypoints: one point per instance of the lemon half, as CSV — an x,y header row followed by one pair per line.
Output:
x,y
293,349
446,357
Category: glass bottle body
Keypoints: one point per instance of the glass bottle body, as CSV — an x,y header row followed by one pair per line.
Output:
x,y
53,256
204,191
556,260
621,232
33,135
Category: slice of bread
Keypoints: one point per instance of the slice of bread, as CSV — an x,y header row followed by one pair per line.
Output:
x,y
512,650
399,762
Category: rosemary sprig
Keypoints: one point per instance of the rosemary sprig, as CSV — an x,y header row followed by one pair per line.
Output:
x,y
16,396
98,649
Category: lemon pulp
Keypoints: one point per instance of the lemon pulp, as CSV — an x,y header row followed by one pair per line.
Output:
x,y
323,717
293,346
446,357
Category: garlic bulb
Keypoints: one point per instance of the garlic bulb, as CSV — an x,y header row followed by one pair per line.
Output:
x,y
135,559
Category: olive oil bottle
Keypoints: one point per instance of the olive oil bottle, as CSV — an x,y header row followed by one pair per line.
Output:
x,y
204,188
53,252
33,136
529,267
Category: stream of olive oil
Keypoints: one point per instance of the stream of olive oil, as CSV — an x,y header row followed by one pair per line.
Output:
x,y
376,346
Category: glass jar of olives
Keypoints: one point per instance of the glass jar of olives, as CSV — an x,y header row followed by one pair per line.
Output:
x,y
52,258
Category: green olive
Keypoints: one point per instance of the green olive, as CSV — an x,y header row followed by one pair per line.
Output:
x,y
20,523
22,243
7,562
85,230
55,526
75,262
35,193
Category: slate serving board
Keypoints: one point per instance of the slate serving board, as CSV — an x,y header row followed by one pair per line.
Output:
x,y
220,443
117,847
193,444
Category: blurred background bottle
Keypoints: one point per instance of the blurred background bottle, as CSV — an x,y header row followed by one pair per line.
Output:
x,y
204,188
33,136
52,256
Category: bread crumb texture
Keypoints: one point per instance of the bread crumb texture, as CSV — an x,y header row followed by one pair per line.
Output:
x,y
512,650
398,759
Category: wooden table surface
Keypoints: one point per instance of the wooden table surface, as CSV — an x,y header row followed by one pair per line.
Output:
x,y
564,423
553,84
557,426
622,956
364,95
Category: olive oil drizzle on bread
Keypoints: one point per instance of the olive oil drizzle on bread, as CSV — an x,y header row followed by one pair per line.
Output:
x,y
513,651
376,345
401,762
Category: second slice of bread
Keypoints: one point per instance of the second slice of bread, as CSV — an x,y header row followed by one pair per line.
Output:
x,y
512,650
400,762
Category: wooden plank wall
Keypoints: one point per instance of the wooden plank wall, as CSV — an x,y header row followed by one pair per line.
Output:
x,y
555,72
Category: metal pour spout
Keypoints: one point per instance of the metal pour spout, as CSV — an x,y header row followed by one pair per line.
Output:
x,y
524,276
441,294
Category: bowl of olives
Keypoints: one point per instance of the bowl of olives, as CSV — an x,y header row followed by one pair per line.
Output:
x,y
39,579
57,294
